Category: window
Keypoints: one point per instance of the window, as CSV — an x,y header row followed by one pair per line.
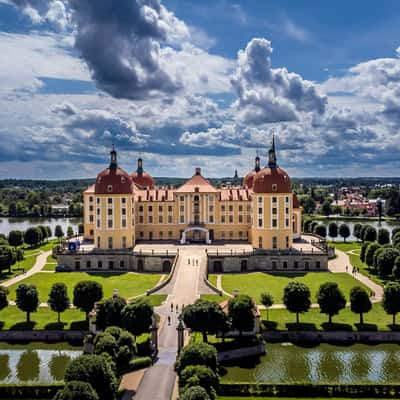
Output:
x,y
98,241
123,200
274,265
274,242
231,235
90,218
140,219
109,211
222,219
160,209
260,199
211,208
109,200
170,234
150,218
274,223
124,242
140,208
109,188
222,208
123,223
170,219
211,219
91,198
287,199
141,234
160,219
230,208
274,187
274,210
169,208
287,242
231,219
182,208
98,223
240,219
122,264
287,222
240,208
182,219
150,208
88,264
110,242
296,264
274,199
284,264
287,210
182,198
99,264
123,211
98,211
110,224
240,234
260,210
111,264
260,222
318,264
161,234
90,208
98,201
91,233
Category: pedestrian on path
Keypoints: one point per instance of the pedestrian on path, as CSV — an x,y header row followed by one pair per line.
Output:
x,y
189,261
347,268
197,262
169,320
177,308
172,307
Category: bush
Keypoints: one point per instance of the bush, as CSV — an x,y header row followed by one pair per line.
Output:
x,y
369,254
140,363
369,234
77,391
364,247
114,331
194,393
109,312
95,370
199,375
136,316
320,230
197,354
106,344
383,236
385,261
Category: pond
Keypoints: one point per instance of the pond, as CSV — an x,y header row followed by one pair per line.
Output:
x,y
389,225
19,365
22,224
285,362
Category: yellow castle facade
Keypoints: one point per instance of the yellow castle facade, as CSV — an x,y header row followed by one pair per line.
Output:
x,y
121,209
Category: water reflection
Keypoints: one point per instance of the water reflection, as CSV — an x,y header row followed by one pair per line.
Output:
x,y
324,363
41,366
28,366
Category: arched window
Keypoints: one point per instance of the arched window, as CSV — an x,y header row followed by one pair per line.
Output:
x,y
217,266
243,266
166,267
140,266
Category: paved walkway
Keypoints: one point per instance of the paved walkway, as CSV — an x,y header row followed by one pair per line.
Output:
x,y
339,265
37,267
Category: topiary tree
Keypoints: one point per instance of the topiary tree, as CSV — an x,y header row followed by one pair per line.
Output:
x,y
330,299
49,232
58,232
360,302
391,299
364,247
3,297
344,231
313,225
241,313
105,343
267,300
96,371
383,236
58,299
27,299
333,230
7,257
204,316
199,375
195,393
357,231
197,354
369,234
376,254
136,317
320,230
385,261
33,236
43,232
396,268
75,390
297,298
369,254
109,312
16,238
86,294
70,231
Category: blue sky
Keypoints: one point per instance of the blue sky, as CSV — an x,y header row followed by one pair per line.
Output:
x,y
199,83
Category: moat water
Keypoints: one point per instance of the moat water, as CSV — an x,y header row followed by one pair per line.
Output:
x,y
34,366
285,362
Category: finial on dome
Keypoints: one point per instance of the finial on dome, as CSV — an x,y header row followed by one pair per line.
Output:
x,y
113,158
272,154
139,166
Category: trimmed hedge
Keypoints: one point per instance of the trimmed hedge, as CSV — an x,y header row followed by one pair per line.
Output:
x,y
140,363
19,391
369,390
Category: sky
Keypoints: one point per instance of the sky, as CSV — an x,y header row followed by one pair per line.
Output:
x,y
199,83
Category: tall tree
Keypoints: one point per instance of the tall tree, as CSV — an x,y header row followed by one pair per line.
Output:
x,y
385,261
369,234
333,230
58,232
357,231
70,231
344,231
391,299
320,230
76,390
267,300
7,257
3,297
297,298
136,317
16,238
43,231
392,204
109,312
330,299
326,208
33,236
58,299
86,294
204,316
383,236
27,299
369,254
241,313
360,302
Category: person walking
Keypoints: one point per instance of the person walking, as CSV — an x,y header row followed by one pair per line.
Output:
x,y
172,307
347,268
177,308
189,261
169,320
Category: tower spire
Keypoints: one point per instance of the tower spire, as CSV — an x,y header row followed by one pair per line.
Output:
x,y
272,154
113,158
139,166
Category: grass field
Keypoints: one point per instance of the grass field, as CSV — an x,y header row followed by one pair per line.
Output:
x,y
128,284
376,319
49,267
214,297
255,283
12,318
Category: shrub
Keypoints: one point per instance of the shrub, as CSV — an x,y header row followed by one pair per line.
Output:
x,y
114,331
95,370
199,375
194,393
396,268
241,313
369,234
385,261
136,317
109,312
364,247
197,354
140,363
320,230
369,254
106,344
344,231
383,236
76,390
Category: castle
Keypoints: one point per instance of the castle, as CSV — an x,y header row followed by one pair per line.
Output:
x,y
121,209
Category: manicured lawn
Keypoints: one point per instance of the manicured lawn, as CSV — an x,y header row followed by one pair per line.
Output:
x,y
156,299
128,284
214,297
213,279
49,267
12,318
51,259
376,319
255,283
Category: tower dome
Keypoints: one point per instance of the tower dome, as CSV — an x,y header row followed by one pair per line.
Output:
x,y
272,179
113,180
248,180
141,178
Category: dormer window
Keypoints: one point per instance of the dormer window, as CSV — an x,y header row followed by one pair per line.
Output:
x,y
123,179
274,187
109,188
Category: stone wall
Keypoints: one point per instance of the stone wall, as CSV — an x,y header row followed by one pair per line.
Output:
x,y
269,262
241,353
94,261
42,336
